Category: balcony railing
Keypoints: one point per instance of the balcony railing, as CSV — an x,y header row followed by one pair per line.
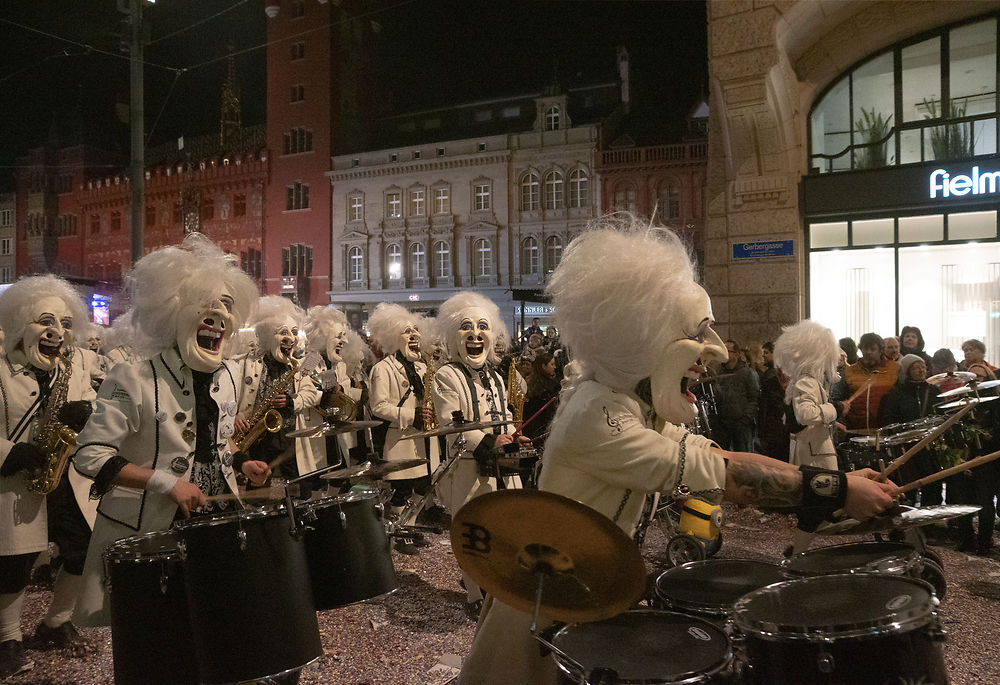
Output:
x,y
680,152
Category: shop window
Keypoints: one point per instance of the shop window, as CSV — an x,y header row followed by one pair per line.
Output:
x,y
828,234
863,299
921,229
972,225
872,232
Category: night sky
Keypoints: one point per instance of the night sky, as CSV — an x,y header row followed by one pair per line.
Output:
x,y
432,53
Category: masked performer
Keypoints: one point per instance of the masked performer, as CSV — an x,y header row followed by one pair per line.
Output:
x,y
40,391
158,442
471,385
398,396
274,380
808,353
618,435
86,354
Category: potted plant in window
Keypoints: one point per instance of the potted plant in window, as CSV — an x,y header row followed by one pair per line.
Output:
x,y
950,140
872,132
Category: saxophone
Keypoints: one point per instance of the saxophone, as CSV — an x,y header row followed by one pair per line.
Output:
x,y
514,393
263,417
428,401
53,437
333,405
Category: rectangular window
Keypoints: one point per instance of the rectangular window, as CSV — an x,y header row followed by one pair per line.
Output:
x,y
828,234
972,225
920,229
417,204
393,206
297,196
442,203
298,93
481,196
6,217
5,274
296,260
297,8
150,217
95,224
116,221
480,147
872,232
207,209
416,154
356,210
239,205
298,50
5,246
862,301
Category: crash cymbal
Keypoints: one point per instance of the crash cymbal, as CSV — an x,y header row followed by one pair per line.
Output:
x,y
454,428
986,385
591,570
349,472
333,428
900,519
381,468
960,376
960,390
967,400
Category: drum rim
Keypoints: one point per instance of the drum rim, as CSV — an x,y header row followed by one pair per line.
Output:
x,y
250,513
915,617
696,678
911,558
120,545
708,609
331,500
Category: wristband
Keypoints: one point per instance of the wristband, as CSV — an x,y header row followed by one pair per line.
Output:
x,y
823,492
161,482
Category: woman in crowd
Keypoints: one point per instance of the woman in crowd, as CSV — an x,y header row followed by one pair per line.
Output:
x,y
911,341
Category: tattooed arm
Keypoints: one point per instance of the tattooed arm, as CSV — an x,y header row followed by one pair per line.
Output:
x,y
777,486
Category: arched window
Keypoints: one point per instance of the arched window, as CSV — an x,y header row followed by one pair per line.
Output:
x,y
529,192
553,190
529,256
442,260
356,264
553,252
418,261
394,261
552,118
625,198
670,203
482,255
579,189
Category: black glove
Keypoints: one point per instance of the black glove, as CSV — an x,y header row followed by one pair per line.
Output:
x,y
486,455
75,414
239,459
23,455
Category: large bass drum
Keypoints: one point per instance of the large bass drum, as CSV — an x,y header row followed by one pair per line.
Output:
x,y
844,630
347,549
644,646
151,638
248,592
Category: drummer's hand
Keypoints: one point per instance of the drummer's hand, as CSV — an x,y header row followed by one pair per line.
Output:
x,y
865,497
503,439
241,424
188,496
257,471
846,404
523,441
428,414
870,474
279,401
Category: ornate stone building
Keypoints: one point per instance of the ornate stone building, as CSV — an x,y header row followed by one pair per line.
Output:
x,y
8,223
826,124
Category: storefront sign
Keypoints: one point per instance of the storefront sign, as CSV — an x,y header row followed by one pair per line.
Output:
x,y
535,310
764,249
944,185
415,298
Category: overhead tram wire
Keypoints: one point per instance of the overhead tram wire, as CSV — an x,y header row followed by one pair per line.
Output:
x,y
197,23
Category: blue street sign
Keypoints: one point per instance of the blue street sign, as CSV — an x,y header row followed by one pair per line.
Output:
x,y
764,249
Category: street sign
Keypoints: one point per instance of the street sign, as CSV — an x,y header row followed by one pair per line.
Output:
x,y
763,249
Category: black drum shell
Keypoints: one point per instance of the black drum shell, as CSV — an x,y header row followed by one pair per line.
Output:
x,y
854,629
647,647
711,588
350,559
251,605
151,637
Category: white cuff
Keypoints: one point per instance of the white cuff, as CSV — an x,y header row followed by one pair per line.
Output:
x,y
161,482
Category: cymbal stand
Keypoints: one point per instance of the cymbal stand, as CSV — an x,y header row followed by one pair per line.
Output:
x,y
413,509
297,527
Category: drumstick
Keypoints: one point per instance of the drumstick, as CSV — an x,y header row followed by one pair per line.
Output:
x,y
861,390
526,422
249,494
905,456
926,480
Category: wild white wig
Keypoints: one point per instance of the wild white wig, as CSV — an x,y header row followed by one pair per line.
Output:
x,y
453,310
386,324
807,348
501,333
273,311
16,303
619,293
320,322
121,333
354,353
189,274
81,332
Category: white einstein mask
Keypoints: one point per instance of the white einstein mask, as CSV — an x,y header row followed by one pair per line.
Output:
x,y
693,345
474,338
46,333
281,343
409,341
201,330
335,343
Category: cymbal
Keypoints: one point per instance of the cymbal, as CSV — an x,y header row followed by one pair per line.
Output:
x,y
967,400
333,428
349,472
591,569
381,468
900,519
960,390
454,428
986,385
961,376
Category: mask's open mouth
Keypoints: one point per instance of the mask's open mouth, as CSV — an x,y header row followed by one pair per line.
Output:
x,y
209,338
414,346
47,349
339,348
287,348
690,376
474,349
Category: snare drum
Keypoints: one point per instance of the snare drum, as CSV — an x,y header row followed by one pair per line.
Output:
x,y
711,588
644,646
151,639
893,558
844,629
251,605
347,550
